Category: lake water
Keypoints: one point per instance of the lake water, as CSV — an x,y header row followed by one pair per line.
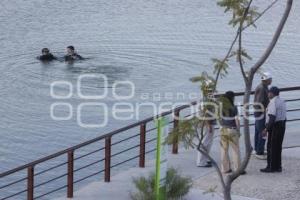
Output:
x,y
158,45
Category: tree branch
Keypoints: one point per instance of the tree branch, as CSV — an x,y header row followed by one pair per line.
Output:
x,y
275,38
215,164
240,42
237,36
261,14
240,57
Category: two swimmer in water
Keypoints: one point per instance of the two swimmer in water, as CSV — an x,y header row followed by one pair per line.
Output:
x,y
69,57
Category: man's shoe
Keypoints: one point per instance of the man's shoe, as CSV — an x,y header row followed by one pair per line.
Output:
x,y
207,165
278,170
267,170
243,172
261,156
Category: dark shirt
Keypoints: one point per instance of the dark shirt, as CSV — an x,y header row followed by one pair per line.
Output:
x,y
73,57
48,57
228,118
210,114
261,96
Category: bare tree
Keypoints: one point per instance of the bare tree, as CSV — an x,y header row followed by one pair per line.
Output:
x,y
191,131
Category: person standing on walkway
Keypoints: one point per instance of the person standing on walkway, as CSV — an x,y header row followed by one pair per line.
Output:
x,y
261,102
209,130
202,160
230,134
275,128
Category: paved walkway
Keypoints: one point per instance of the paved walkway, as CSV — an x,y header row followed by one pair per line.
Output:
x,y
121,185
254,185
275,186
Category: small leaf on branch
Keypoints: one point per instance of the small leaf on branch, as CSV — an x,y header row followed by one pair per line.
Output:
x,y
220,66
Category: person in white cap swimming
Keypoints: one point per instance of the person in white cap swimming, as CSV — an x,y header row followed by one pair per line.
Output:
x,y
261,102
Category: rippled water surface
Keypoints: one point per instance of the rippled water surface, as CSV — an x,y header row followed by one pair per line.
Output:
x,y
158,45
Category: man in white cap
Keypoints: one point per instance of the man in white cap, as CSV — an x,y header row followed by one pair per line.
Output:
x,y
261,102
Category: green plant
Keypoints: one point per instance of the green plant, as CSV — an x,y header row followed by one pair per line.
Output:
x,y
177,186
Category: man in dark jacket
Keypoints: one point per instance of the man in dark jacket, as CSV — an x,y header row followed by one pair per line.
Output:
x,y
46,55
261,102
72,55
275,129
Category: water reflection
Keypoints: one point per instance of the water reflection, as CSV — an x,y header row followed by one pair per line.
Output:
x,y
112,72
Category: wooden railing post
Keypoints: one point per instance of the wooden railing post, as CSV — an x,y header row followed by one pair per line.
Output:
x,y
70,182
176,122
107,159
30,183
142,145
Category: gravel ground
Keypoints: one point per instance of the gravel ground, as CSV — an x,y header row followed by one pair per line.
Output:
x,y
266,186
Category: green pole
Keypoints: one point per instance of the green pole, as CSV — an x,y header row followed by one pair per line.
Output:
x,y
161,161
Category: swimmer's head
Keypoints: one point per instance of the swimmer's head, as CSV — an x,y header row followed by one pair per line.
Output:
x,y
70,50
45,51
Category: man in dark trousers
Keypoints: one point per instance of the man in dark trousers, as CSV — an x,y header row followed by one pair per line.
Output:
x,y
275,128
261,102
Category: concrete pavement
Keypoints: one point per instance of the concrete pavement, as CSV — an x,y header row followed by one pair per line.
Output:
x,y
254,185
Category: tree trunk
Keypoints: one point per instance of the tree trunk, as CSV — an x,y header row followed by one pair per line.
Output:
x,y
246,101
227,192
